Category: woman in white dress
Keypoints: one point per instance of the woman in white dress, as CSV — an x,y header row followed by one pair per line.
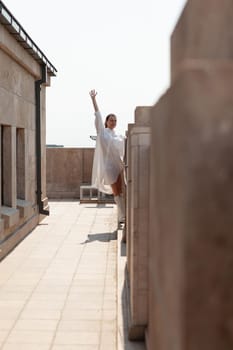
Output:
x,y
108,158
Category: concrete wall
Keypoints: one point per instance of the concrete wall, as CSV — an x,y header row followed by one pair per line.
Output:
x,y
67,169
18,173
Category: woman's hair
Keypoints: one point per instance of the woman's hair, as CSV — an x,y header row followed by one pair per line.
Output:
x,y
106,119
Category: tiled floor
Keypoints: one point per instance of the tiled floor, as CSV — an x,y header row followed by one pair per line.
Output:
x,y
58,288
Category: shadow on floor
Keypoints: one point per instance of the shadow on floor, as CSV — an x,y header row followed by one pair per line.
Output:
x,y
101,237
100,206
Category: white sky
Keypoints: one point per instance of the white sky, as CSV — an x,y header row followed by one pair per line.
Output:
x,y
120,48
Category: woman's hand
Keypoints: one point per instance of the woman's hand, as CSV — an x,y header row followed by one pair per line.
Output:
x,y
93,94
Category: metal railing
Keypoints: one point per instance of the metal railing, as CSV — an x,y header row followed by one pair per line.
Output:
x,y
15,29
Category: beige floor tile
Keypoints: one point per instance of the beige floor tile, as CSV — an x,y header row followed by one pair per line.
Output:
x,y
109,326
109,315
30,337
6,325
110,296
14,296
109,304
17,289
110,289
82,315
3,335
109,339
50,288
84,304
91,277
35,325
40,314
45,304
72,338
47,297
85,294
9,314
11,304
25,346
75,347
56,279
88,282
85,288
80,325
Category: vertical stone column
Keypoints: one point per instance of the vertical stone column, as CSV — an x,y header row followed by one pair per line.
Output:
x,y
128,193
137,232
191,241
1,221
31,171
0,165
9,166
20,163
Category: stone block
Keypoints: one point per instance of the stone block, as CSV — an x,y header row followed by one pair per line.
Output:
x,y
10,216
203,32
142,115
24,207
191,241
1,225
8,243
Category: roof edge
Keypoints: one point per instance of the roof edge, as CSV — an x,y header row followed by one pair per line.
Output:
x,y
21,36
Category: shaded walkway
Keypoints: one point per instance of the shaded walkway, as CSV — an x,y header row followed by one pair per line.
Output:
x,y
58,287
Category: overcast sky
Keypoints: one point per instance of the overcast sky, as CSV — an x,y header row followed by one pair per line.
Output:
x,y
120,48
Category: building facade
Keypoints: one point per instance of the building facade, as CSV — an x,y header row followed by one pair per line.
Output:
x,y
25,73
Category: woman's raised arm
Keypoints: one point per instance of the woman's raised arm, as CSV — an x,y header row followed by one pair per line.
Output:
x,y
93,94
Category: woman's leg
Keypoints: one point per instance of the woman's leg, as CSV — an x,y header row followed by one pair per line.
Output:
x,y
117,186
117,192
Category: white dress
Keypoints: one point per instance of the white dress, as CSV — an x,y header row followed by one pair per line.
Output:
x,y
108,157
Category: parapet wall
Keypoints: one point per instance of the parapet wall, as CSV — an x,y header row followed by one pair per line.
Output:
x,y
184,257
67,169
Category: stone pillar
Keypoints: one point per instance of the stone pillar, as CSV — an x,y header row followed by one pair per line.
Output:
x,y
20,163
1,165
191,241
1,221
31,184
203,32
137,230
9,166
128,193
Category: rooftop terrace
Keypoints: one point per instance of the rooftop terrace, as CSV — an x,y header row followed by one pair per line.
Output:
x,y
62,287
